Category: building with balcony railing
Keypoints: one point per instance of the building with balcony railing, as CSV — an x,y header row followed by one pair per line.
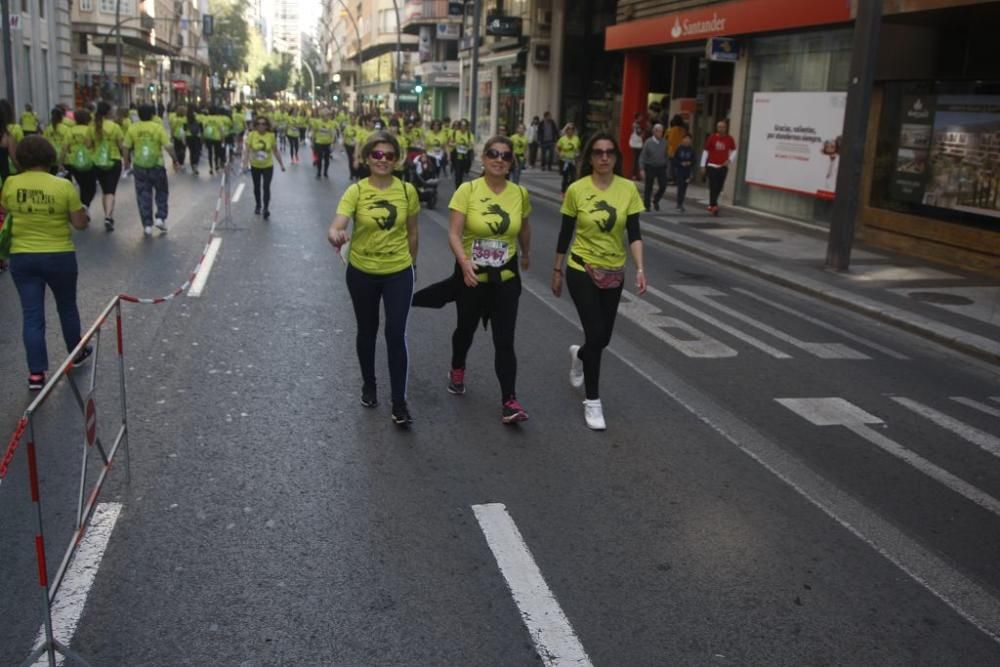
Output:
x,y
438,26
41,65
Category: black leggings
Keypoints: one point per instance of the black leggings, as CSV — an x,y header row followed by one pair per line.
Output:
x,y
87,180
293,145
322,159
716,179
216,157
568,174
597,309
460,165
502,300
255,175
179,150
194,151
395,290
351,171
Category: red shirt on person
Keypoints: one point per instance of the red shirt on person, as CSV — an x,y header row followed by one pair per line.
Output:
x,y
720,148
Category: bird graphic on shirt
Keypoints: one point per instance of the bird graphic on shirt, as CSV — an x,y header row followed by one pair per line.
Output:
x,y
608,223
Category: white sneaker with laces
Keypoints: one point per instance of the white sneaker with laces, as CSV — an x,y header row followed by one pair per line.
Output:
x,y
147,231
593,412
161,224
575,367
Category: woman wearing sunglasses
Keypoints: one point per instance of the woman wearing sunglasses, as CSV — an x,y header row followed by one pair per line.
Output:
x,y
260,151
602,208
380,266
489,223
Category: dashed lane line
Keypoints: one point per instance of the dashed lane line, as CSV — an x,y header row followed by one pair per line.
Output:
x,y
198,285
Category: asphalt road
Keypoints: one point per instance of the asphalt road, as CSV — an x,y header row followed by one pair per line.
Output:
x,y
781,482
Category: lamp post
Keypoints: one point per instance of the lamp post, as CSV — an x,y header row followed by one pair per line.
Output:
x,y
399,50
357,31
312,79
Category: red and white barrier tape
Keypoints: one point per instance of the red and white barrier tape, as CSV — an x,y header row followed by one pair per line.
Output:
x,y
211,234
15,440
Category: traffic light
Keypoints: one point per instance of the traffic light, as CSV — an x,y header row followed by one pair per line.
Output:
x,y
418,86
152,88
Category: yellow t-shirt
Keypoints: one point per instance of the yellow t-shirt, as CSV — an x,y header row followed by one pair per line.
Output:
x,y
323,132
463,143
78,139
38,205
492,223
520,144
379,242
350,135
261,145
111,134
434,141
146,139
568,147
57,136
29,121
600,220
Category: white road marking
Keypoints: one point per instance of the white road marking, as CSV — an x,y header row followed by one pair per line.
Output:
x,y
198,285
79,579
838,412
732,331
976,405
550,630
981,439
707,295
995,399
823,325
238,193
694,344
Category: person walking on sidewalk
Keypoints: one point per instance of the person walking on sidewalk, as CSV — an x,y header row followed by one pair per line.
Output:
x,y
323,130
78,156
520,142
177,119
106,137
683,165
599,212
38,207
381,266
675,134
462,145
488,226
654,167
548,134
144,145
532,136
259,153
192,137
719,152
568,148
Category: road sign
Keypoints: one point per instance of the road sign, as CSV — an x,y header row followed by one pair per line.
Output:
x,y
90,421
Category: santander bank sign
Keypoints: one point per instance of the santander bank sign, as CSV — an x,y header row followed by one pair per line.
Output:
x,y
690,28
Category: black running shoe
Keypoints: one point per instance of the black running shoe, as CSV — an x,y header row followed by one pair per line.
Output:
x,y
36,381
84,356
267,214
369,398
401,415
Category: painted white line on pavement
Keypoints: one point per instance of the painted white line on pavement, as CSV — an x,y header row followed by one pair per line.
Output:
x,y
976,405
239,192
822,325
198,286
981,439
691,342
554,638
79,579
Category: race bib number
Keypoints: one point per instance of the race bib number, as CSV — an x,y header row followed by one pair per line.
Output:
x,y
260,156
489,252
462,150
437,152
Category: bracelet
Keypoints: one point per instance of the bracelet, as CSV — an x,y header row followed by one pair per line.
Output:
x,y
639,271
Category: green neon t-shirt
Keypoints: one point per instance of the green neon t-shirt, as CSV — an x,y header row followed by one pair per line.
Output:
x,y
600,220
492,223
380,242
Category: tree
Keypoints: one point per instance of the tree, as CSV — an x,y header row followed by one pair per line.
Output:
x,y
276,76
229,44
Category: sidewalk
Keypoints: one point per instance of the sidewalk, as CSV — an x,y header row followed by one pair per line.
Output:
x,y
949,306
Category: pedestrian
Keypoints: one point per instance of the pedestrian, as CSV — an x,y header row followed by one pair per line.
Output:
x,y
144,145
568,148
29,122
323,131
654,167
56,133
239,121
635,143
683,164
106,137
213,135
381,265
78,156
675,134
293,138
719,152
8,142
520,143
177,120
548,134
192,137
436,144
599,212
350,138
302,126
260,153
532,136
463,144
489,234
38,207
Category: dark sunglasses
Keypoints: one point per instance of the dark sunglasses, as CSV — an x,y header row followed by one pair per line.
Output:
x,y
494,154
383,155
603,152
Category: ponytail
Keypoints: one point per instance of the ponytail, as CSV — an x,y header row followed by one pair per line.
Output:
x,y
103,109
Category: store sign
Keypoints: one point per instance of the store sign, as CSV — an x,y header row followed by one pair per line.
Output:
x,y
722,49
180,85
795,141
909,175
440,74
425,43
503,26
449,31
740,17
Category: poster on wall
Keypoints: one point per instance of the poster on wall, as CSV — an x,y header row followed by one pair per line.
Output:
x,y
795,142
909,175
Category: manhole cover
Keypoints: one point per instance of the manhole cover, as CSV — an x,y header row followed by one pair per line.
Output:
x,y
942,299
759,239
705,225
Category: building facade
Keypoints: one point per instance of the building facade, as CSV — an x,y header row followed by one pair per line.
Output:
x,y
40,49
778,71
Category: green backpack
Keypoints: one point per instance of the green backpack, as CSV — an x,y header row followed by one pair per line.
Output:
x,y
102,155
81,158
148,152
211,130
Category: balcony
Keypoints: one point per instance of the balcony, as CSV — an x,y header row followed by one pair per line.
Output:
x,y
431,12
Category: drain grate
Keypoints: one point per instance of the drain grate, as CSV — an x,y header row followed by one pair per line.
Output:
x,y
942,299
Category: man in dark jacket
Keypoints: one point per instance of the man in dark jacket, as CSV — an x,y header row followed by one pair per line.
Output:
x,y
548,135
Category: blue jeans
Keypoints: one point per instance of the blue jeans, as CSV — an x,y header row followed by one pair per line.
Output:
x,y
31,273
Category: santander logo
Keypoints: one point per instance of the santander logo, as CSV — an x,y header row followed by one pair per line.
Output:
x,y
690,28
677,30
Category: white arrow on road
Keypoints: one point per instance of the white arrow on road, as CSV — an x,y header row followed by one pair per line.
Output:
x,y
839,412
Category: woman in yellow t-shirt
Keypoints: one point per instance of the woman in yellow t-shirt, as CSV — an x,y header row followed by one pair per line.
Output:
x,y
78,156
260,152
602,209
40,209
381,265
568,148
489,235
107,138
56,133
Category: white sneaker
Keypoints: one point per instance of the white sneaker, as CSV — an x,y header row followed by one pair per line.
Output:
x,y
575,367
161,224
147,231
594,414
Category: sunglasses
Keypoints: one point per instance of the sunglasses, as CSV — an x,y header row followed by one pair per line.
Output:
x,y
494,154
603,152
383,155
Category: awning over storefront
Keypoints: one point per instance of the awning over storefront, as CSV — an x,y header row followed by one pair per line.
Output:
x,y
740,17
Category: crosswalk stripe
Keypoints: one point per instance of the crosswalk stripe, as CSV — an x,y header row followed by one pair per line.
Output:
x,y
981,439
976,405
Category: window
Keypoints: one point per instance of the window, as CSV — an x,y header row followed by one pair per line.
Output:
x,y
41,9
86,5
108,6
82,45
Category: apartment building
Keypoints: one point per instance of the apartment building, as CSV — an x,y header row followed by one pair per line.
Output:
x,y
40,56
